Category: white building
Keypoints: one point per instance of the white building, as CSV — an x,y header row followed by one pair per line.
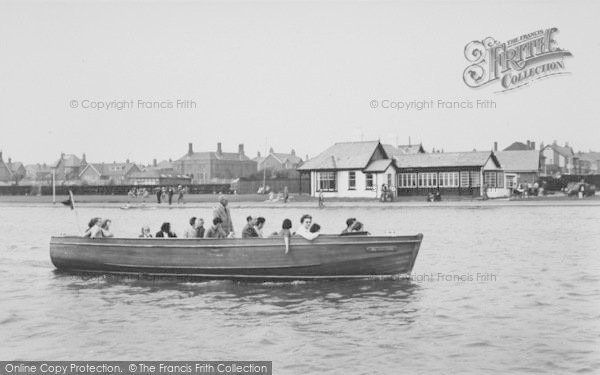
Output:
x,y
351,169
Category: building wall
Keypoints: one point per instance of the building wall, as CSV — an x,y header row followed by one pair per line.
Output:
x,y
360,190
5,174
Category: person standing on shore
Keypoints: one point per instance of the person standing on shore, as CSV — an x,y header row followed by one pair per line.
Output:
x,y
222,212
286,194
170,193
180,196
158,195
321,199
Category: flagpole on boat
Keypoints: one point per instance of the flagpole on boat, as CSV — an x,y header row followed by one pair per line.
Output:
x,y
53,186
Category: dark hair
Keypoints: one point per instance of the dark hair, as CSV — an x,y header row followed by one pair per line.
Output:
x,y
315,228
287,224
248,218
93,222
304,217
260,220
192,220
165,227
350,221
217,220
358,226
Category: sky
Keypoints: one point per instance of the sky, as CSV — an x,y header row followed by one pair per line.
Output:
x,y
285,74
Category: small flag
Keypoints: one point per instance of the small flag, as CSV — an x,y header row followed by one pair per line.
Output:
x,y
70,202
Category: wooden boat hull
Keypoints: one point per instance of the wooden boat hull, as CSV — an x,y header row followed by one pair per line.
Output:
x,y
324,257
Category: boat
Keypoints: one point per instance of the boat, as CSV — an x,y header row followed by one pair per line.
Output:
x,y
326,257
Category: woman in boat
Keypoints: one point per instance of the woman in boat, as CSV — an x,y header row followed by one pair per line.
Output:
x,y
165,231
216,230
145,232
286,233
260,223
304,230
191,231
93,226
106,228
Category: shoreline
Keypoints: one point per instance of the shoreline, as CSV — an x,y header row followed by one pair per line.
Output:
x,y
255,200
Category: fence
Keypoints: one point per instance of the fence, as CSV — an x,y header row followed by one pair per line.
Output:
x,y
106,189
557,184
294,185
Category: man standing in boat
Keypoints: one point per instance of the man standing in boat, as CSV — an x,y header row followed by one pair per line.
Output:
x,y
222,212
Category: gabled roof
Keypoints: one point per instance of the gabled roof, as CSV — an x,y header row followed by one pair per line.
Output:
x,y
519,161
15,166
378,166
392,150
343,155
109,169
445,159
517,146
563,150
70,161
280,157
589,156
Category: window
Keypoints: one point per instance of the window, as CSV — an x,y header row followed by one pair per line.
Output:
x,y
351,180
511,181
326,181
407,180
475,180
369,181
389,179
448,179
428,179
500,179
489,178
464,178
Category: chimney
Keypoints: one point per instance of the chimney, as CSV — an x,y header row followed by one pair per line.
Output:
x,y
127,161
554,142
190,149
241,149
293,152
219,151
9,160
154,163
532,145
271,150
306,157
529,144
258,154
496,146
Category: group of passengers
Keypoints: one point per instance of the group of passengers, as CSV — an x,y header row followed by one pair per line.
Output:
x,y
98,228
222,227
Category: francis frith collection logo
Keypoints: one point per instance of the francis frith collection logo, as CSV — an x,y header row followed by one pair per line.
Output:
x,y
514,63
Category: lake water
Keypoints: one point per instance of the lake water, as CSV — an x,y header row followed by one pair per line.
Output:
x,y
495,289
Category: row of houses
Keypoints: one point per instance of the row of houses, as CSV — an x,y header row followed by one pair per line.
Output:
x,y
359,169
192,167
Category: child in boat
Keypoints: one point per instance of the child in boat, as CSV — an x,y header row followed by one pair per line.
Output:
x,y
145,232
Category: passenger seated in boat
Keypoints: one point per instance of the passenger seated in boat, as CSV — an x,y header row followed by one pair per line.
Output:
x,y
260,223
249,231
93,222
105,230
165,231
285,232
145,232
286,229
191,231
353,227
304,230
216,230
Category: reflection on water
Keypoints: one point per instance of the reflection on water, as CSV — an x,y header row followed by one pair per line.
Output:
x,y
540,311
